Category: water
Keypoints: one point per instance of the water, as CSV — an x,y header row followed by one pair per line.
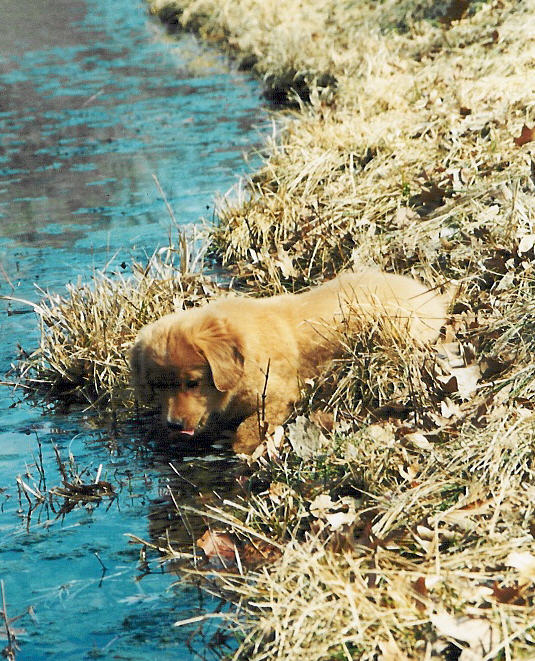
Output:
x,y
95,102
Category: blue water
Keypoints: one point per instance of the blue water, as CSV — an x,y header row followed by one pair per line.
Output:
x,y
96,101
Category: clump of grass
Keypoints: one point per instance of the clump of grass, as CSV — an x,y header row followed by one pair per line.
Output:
x,y
414,166
380,369
86,334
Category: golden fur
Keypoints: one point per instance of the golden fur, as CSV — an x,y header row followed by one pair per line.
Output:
x,y
206,368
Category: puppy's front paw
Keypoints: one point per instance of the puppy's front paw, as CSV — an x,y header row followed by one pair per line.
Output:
x,y
248,436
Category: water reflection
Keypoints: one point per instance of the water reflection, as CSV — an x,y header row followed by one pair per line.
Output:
x,y
95,99
85,125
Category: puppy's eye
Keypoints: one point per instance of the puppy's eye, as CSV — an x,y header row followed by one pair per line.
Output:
x,y
193,383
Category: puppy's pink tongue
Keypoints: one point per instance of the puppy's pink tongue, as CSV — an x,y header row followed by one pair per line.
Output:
x,y
188,432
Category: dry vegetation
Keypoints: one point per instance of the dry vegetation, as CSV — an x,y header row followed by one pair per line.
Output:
x,y
404,527
86,333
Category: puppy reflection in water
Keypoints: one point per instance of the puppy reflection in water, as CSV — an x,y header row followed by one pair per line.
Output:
x,y
205,368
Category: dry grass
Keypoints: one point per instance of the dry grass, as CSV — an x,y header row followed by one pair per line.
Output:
x,y
87,333
407,156
413,159
406,525
395,545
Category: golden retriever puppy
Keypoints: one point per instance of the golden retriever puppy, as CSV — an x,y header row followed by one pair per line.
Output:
x,y
208,368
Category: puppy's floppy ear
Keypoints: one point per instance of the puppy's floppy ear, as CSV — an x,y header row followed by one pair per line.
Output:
x,y
222,347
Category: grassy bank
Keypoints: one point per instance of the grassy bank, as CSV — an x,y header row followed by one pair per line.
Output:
x,y
407,532
399,522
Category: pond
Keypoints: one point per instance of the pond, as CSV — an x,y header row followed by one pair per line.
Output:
x,y
99,109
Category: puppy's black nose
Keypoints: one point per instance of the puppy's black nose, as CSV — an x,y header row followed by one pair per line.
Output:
x,y
175,424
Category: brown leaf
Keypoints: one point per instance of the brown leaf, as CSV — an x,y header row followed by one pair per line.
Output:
x,y
259,553
323,419
490,367
420,588
432,195
508,595
448,384
217,544
526,135
456,10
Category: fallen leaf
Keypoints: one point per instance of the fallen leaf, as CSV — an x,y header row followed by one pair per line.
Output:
x,y
305,438
337,513
410,471
478,633
448,384
526,243
382,434
455,11
405,217
420,588
321,505
285,263
452,353
272,450
467,379
323,419
431,195
259,553
259,451
508,595
278,436
424,532
419,440
337,520
217,544
490,367
523,562
526,135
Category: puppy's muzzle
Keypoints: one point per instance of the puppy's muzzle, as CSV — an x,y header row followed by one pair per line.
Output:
x,y
177,424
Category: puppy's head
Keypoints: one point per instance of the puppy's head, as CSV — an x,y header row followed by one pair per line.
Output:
x,y
188,364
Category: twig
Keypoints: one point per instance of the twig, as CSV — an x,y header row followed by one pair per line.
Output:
x,y
261,407
61,465
9,650
202,618
104,568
